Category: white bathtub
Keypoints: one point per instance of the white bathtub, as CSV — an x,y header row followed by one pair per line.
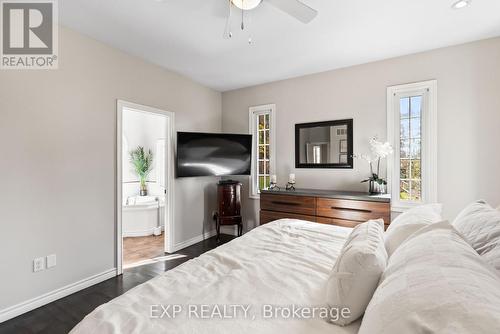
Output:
x,y
141,216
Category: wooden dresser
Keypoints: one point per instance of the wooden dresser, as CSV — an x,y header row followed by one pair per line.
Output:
x,y
326,207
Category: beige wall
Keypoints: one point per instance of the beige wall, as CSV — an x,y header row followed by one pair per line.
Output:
x,y
468,106
57,140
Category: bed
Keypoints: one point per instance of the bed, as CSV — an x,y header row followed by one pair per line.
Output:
x,y
276,266
423,275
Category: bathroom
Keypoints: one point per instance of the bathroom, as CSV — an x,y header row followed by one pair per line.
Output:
x,y
143,187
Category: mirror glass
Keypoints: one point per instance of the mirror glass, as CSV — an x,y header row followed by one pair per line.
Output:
x,y
324,144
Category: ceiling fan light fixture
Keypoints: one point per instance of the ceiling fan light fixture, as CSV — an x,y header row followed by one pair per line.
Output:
x,y
461,4
246,4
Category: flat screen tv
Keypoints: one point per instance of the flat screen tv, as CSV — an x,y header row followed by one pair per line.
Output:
x,y
204,154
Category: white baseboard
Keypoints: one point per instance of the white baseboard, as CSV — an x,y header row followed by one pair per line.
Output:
x,y
31,304
224,230
183,244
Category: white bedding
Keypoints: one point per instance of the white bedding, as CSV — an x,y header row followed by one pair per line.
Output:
x,y
283,263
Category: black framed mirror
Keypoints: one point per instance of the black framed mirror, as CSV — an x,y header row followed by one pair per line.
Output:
x,y
324,144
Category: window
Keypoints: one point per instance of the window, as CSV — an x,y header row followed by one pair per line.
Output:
x,y
410,148
412,131
262,120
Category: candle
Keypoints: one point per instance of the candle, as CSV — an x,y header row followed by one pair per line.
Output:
x,y
273,178
291,178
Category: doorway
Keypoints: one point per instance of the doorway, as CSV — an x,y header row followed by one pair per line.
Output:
x,y
144,189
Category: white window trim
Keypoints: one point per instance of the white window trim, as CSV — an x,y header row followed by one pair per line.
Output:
x,y
253,113
429,142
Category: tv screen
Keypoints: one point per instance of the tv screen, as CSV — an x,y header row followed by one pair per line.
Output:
x,y
203,154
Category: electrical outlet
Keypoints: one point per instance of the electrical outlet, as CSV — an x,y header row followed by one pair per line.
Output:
x,y
51,261
38,264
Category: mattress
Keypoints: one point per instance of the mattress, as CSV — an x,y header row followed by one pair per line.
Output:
x,y
258,283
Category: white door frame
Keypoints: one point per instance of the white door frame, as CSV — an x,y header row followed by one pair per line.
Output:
x,y
169,177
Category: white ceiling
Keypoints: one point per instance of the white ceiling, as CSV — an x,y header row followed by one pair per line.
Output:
x,y
186,36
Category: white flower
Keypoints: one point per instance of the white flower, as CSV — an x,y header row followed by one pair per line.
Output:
x,y
379,149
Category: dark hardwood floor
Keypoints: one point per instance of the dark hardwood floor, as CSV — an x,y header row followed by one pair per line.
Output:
x,y
62,315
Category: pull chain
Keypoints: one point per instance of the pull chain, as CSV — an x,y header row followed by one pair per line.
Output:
x,y
242,18
227,32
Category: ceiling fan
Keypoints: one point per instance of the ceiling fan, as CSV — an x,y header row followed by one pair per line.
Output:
x,y
294,8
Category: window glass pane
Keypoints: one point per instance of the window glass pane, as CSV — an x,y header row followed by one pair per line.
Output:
x,y
404,190
262,182
416,106
405,169
415,128
415,190
405,128
262,156
415,148
404,149
404,107
410,148
416,173
261,122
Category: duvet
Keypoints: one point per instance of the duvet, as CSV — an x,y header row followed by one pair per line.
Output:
x,y
270,280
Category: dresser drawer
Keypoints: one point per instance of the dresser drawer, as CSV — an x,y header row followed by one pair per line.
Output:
x,y
357,211
338,222
341,222
302,205
269,216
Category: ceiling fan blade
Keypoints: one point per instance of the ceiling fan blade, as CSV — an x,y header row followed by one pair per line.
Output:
x,y
295,8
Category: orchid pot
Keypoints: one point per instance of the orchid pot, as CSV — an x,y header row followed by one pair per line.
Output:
x,y
378,187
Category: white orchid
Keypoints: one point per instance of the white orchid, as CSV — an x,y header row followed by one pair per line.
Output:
x,y
380,150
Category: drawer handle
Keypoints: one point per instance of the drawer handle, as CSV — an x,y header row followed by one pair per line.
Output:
x,y
285,203
349,209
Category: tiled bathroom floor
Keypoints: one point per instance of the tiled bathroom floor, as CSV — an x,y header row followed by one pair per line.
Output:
x,y
139,249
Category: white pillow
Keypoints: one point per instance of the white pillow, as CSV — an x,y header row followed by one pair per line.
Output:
x,y
479,223
357,271
409,222
435,283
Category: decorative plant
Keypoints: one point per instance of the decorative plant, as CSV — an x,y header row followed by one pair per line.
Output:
x,y
380,151
143,163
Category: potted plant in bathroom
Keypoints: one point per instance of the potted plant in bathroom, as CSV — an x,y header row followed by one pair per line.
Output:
x,y
380,150
143,163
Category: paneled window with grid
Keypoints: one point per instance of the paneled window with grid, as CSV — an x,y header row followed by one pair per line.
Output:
x,y
412,131
262,120
264,149
410,187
